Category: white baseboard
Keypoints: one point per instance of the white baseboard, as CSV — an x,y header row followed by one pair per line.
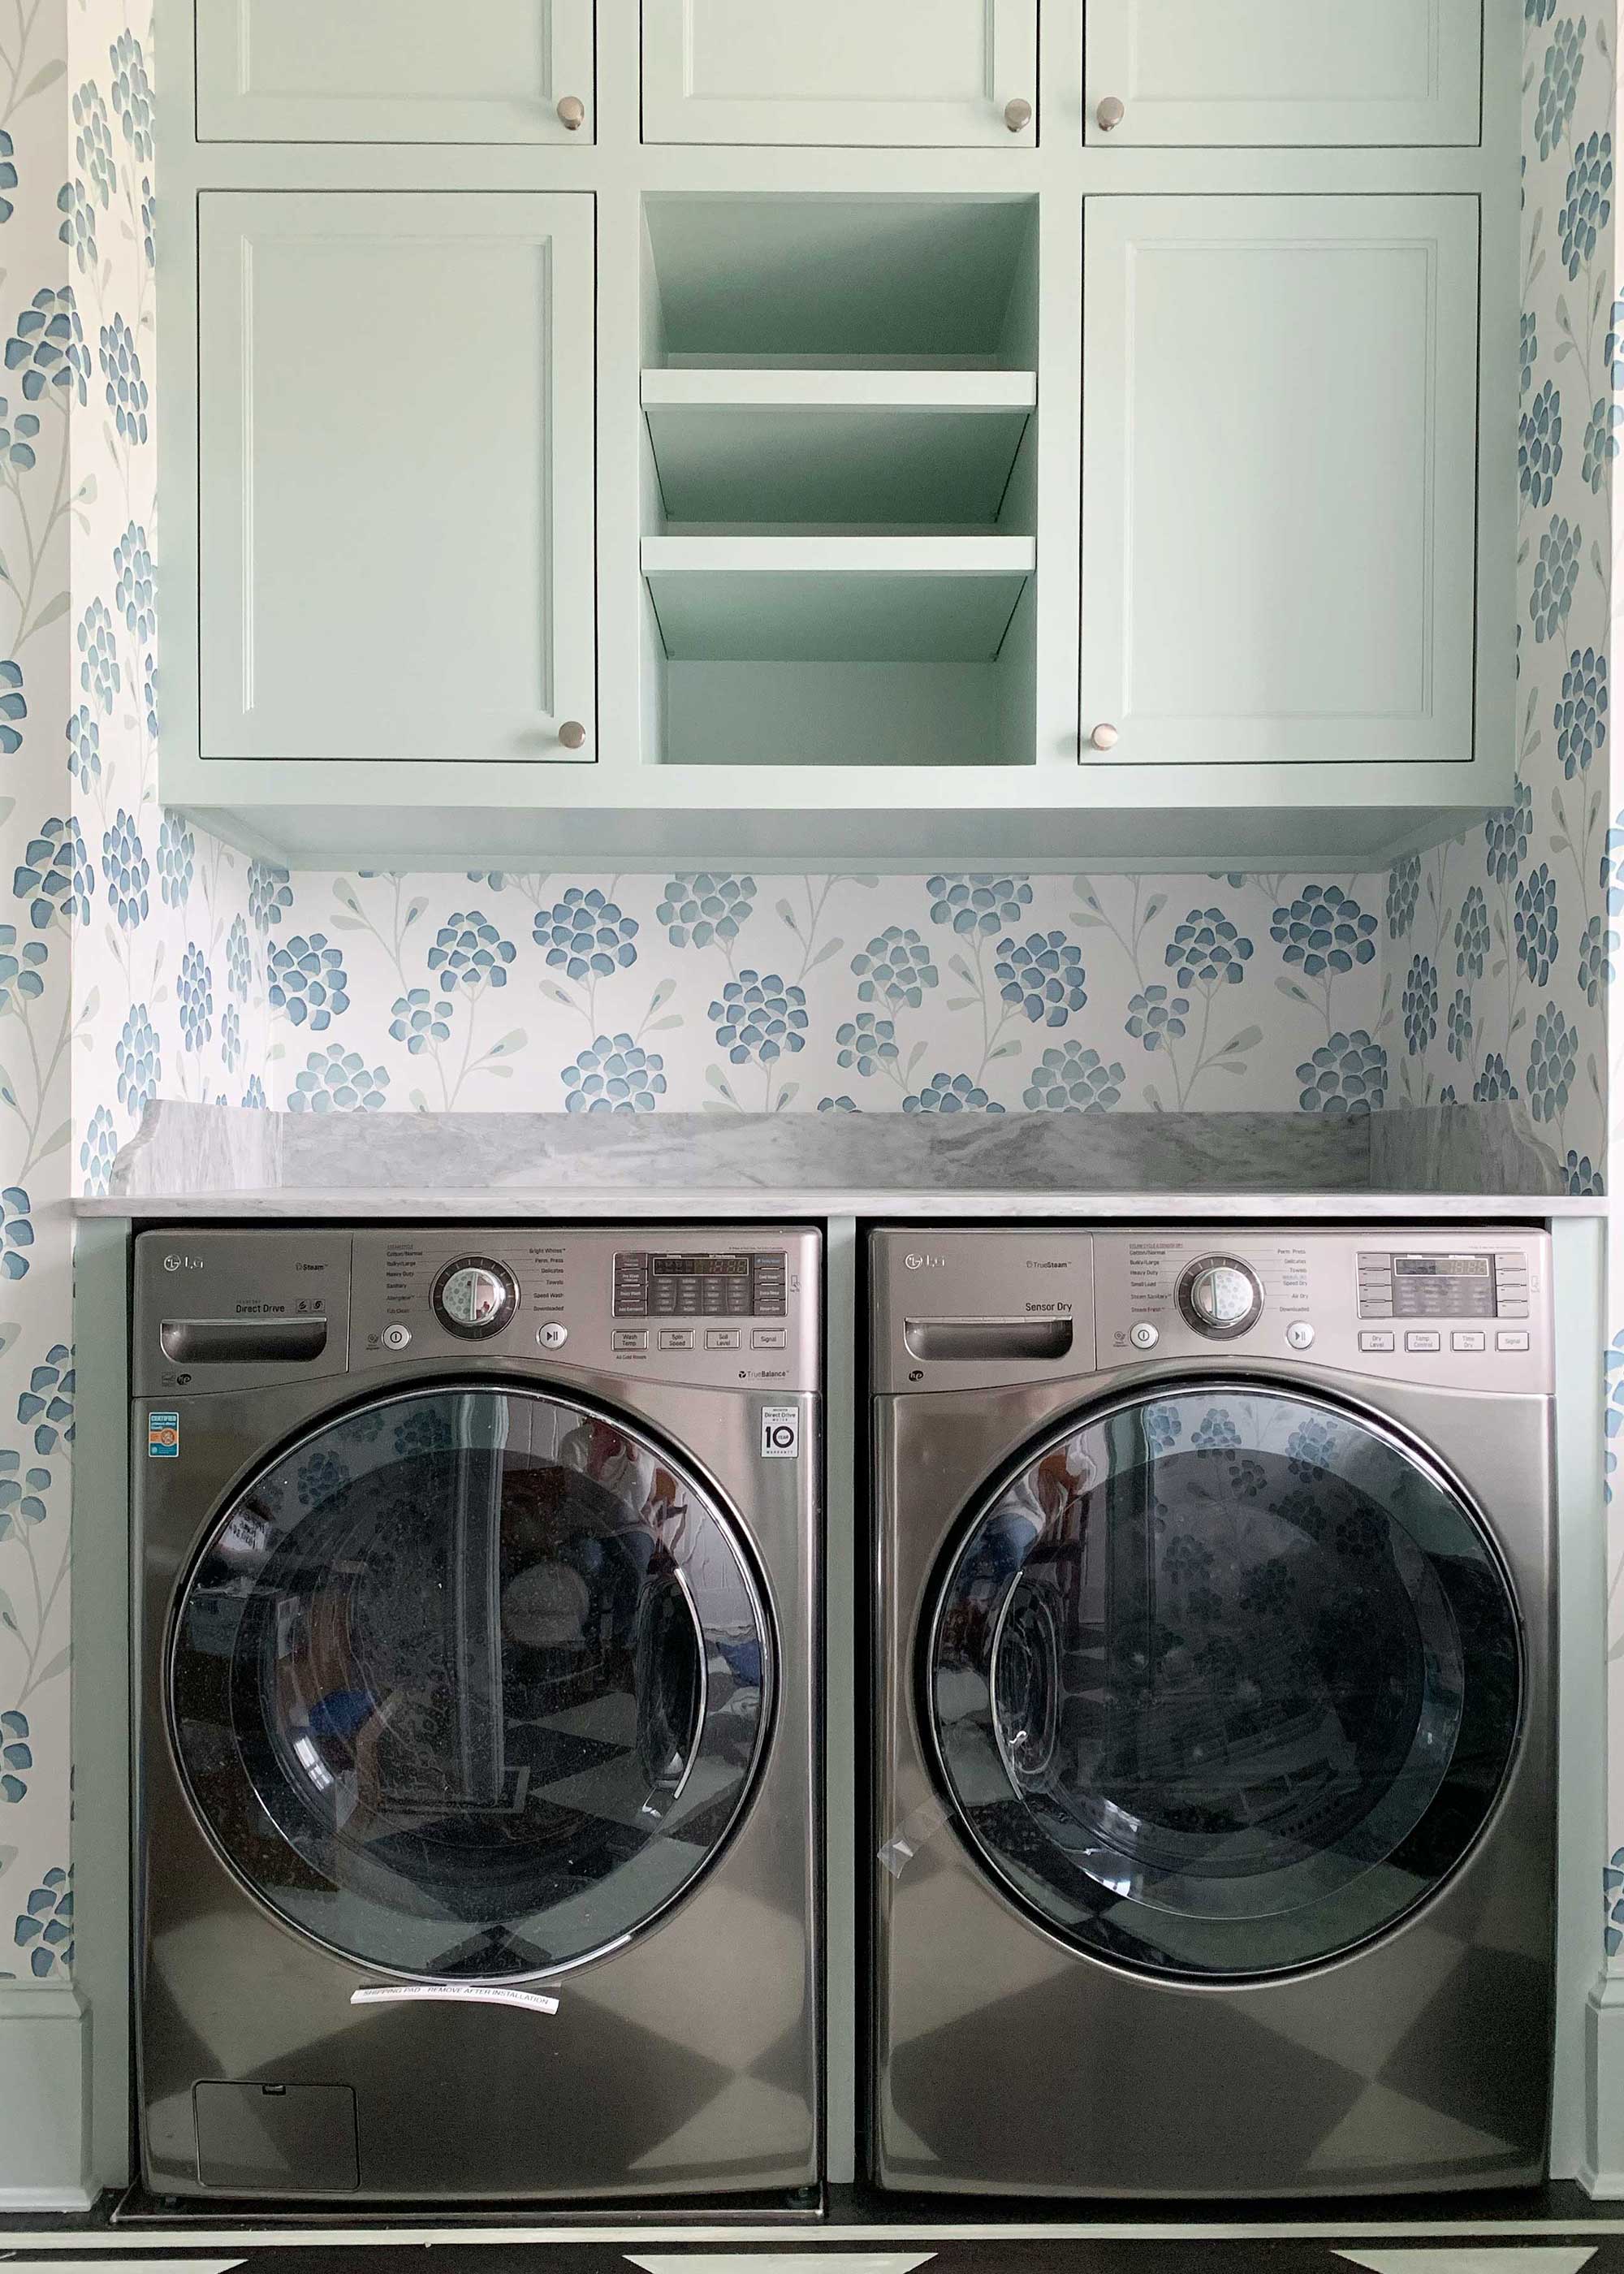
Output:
x,y
44,2085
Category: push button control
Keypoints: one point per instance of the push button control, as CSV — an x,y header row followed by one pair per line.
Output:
x,y
395,1338
1144,1336
1378,1340
1468,1339
1423,1339
1511,1341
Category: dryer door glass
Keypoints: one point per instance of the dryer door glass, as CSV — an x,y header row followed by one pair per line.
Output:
x,y
1223,1681
471,1683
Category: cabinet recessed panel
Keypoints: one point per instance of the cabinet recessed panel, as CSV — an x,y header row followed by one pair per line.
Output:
x,y
395,475
1279,471
1283,71
394,71
841,72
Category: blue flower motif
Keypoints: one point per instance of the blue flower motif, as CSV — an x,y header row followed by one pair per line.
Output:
x,y
306,978
1163,1425
98,1152
1536,924
1420,1004
895,969
977,907
1558,85
1156,1018
1529,350
1345,1076
47,347
230,1038
868,1042
126,389
176,853
124,865
18,437
133,588
84,748
585,935
1581,1179
1601,442
1555,574
1538,12
55,875
141,1068
16,1756
20,980
1588,207
195,994
1215,1429
269,895
1072,1079
1207,950
1404,892
615,1076
1494,1082
239,960
318,1478
759,1018
253,1096
1460,1024
838,1105
1505,834
1581,715
1553,1058
1042,976
950,1093
78,223
13,707
696,910
337,1080
93,145
44,1929
1325,929
132,93
420,1021
1597,951
98,671
149,222
1539,445
46,1407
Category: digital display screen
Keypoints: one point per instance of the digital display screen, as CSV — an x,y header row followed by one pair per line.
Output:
x,y
700,1266
1441,1266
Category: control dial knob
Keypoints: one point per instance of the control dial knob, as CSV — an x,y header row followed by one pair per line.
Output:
x,y
475,1297
1220,1297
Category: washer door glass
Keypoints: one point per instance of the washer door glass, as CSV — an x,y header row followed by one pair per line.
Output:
x,y
470,1682
1224,1681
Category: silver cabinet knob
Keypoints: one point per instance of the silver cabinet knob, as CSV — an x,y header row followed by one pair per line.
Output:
x,y
571,734
1104,736
1111,114
1018,115
572,111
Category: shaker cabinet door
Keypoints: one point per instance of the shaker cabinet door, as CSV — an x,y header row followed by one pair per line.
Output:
x,y
394,71
1280,411
396,480
1282,72
947,73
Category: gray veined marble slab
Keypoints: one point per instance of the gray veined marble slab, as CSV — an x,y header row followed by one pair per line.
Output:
x,y
193,1160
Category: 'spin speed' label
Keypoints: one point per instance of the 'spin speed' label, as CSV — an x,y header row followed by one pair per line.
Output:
x,y
780,1438
164,1436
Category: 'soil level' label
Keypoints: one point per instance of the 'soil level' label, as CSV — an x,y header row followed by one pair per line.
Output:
x,y
780,1438
164,1436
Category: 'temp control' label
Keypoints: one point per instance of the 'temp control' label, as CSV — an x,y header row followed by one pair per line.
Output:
x,y
780,1437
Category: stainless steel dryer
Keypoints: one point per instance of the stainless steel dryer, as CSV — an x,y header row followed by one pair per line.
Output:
x,y
1214,1745
478,1576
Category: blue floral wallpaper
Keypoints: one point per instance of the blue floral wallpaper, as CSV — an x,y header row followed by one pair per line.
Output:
x,y
1476,971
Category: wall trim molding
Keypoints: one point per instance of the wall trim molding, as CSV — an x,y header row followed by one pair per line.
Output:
x,y
44,2092
1601,2173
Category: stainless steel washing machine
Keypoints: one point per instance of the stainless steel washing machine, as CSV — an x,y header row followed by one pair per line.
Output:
x,y
1214,1779
478,1576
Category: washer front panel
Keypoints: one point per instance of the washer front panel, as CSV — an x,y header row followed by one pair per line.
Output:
x,y
1224,1680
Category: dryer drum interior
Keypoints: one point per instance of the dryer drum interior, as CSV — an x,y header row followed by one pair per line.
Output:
x,y
470,1682
1223,1679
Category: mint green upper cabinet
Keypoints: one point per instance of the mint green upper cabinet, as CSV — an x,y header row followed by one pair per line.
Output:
x,y
949,73
395,443
1279,401
1282,72
394,71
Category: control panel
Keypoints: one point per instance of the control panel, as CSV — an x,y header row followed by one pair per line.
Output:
x,y
746,1284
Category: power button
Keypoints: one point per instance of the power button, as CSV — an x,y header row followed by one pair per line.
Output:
x,y
1144,1336
395,1338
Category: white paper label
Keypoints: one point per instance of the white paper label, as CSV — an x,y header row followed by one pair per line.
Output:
x,y
455,1993
780,1438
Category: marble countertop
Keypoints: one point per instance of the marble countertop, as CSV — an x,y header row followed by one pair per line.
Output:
x,y
194,1161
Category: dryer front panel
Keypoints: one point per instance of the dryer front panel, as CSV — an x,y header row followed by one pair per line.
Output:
x,y
1221,1679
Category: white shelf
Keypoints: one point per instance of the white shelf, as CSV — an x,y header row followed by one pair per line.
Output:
x,y
787,387
836,599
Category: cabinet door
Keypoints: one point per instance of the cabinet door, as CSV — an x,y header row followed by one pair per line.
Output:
x,y
1279,399
395,429
941,73
1282,72
394,71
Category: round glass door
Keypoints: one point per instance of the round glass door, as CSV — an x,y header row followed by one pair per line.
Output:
x,y
1223,1681
471,1683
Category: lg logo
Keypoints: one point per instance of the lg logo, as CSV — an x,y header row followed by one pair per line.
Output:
x,y
182,1263
916,1263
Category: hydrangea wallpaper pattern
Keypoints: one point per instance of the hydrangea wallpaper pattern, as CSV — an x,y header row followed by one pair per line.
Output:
x,y
1476,971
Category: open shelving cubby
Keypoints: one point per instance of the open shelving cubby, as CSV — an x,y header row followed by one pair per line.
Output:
x,y
839,406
